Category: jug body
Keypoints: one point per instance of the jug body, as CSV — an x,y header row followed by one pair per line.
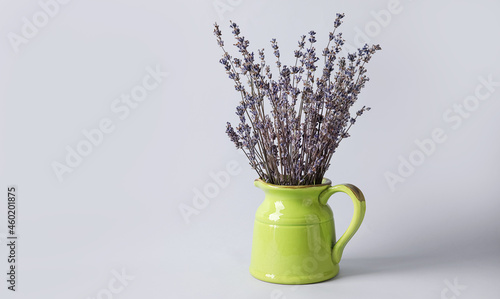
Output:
x,y
294,235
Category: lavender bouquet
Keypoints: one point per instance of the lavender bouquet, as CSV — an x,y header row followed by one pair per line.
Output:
x,y
309,112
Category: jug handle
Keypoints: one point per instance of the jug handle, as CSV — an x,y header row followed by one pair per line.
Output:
x,y
359,213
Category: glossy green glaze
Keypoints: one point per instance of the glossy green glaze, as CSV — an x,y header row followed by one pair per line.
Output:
x,y
294,234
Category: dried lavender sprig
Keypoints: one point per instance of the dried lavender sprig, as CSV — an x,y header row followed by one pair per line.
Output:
x,y
231,70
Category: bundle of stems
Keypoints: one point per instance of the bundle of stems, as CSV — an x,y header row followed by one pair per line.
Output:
x,y
291,140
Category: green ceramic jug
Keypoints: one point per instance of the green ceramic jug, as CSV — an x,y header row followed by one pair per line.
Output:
x,y
294,234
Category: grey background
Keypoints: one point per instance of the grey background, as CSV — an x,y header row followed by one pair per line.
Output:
x,y
119,209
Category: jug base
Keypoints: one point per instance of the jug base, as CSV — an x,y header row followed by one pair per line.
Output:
x,y
294,279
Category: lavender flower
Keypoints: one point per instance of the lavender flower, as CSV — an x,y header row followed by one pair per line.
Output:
x,y
309,113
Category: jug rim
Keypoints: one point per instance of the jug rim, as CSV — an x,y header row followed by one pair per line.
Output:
x,y
325,182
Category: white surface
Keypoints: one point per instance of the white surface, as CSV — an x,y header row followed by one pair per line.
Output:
x,y
119,208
